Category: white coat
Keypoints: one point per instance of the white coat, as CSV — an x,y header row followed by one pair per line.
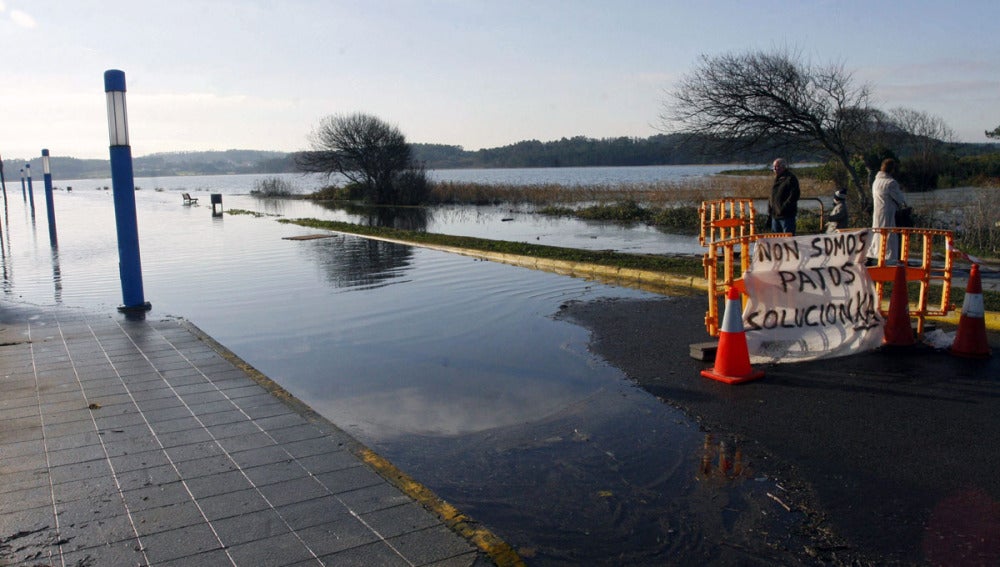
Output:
x,y
887,197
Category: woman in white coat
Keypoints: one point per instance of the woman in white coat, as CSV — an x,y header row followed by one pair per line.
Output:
x,y
888,198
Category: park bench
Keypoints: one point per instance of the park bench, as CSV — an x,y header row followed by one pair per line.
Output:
x,y
188,199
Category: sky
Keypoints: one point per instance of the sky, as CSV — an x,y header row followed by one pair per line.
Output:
x,y
248,74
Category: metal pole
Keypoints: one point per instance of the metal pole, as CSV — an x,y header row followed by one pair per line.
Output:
x,y
123,186
49,203
3,182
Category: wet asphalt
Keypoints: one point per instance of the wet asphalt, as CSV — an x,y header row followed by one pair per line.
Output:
x,y
891,456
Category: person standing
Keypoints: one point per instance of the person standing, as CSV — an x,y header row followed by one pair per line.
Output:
x,y
838,215
783,206
887,198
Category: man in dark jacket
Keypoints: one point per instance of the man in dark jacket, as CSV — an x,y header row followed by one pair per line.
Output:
x,y
783,205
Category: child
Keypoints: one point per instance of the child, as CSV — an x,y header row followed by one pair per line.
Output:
x,y
838,216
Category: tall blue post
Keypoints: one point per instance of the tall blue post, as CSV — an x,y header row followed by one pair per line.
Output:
x,y
31,193
3,182
123,187
49,203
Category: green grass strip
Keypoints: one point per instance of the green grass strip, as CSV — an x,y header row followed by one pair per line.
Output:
x,y
681,265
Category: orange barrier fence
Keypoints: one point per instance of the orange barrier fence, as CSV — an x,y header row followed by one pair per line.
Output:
x,y
721,277
723,219
917,247
727,230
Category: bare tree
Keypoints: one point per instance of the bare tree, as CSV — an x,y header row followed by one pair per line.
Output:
x,y
923,137
925,129
759,98
362,148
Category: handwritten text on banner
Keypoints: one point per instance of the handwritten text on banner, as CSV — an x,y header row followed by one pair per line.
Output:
x,y
810,297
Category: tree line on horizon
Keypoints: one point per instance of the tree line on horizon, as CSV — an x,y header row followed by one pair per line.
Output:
x,y
578,151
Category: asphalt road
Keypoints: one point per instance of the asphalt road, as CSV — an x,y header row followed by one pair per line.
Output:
x,y
892,454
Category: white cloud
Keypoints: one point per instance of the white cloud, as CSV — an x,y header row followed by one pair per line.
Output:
x,y
22,19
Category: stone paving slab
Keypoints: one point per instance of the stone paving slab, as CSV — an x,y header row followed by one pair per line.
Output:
x,y
135,442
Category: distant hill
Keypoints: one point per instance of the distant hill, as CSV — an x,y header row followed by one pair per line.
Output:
x,y
162,165
579,151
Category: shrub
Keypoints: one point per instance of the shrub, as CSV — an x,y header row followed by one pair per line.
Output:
x,y
272,187
330,193
980,230
411,186
678,220
625,211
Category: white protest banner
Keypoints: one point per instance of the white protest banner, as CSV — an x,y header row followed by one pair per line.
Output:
x,y
810,297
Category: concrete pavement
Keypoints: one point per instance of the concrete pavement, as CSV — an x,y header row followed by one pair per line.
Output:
x,y
134,442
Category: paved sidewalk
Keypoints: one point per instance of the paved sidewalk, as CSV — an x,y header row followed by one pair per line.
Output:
x,y
137,443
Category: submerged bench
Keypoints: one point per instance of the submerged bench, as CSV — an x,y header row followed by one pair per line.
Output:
x,y
188,199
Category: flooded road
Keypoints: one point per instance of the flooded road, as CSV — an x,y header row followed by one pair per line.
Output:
x,y
458,371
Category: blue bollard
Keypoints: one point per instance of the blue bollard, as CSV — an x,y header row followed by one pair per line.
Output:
x,y
123,187
49,203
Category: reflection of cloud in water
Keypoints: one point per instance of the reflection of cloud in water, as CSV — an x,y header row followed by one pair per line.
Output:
x,y
461,379
461,410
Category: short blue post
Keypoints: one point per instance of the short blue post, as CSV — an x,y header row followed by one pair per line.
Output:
x,y
31,193
49,204
24,195
123,187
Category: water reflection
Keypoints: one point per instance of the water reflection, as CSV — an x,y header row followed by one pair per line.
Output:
x,y
722,459
57,283
403,218
360,263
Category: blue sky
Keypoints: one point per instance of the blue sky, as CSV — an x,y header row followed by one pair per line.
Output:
x,y
248,74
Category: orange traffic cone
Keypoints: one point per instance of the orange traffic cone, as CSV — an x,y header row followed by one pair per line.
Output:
x,y
970,340
898,331
732,360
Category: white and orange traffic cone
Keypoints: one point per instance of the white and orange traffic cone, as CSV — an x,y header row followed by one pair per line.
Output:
x,y
970,340
732,360
898,329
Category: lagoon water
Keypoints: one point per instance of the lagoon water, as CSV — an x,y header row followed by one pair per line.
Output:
x,y
441,363
305,183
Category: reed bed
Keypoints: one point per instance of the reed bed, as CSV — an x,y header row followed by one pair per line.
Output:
x,y
659,194
672,205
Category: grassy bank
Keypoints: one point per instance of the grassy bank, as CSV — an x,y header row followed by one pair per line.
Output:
x,y
686,266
